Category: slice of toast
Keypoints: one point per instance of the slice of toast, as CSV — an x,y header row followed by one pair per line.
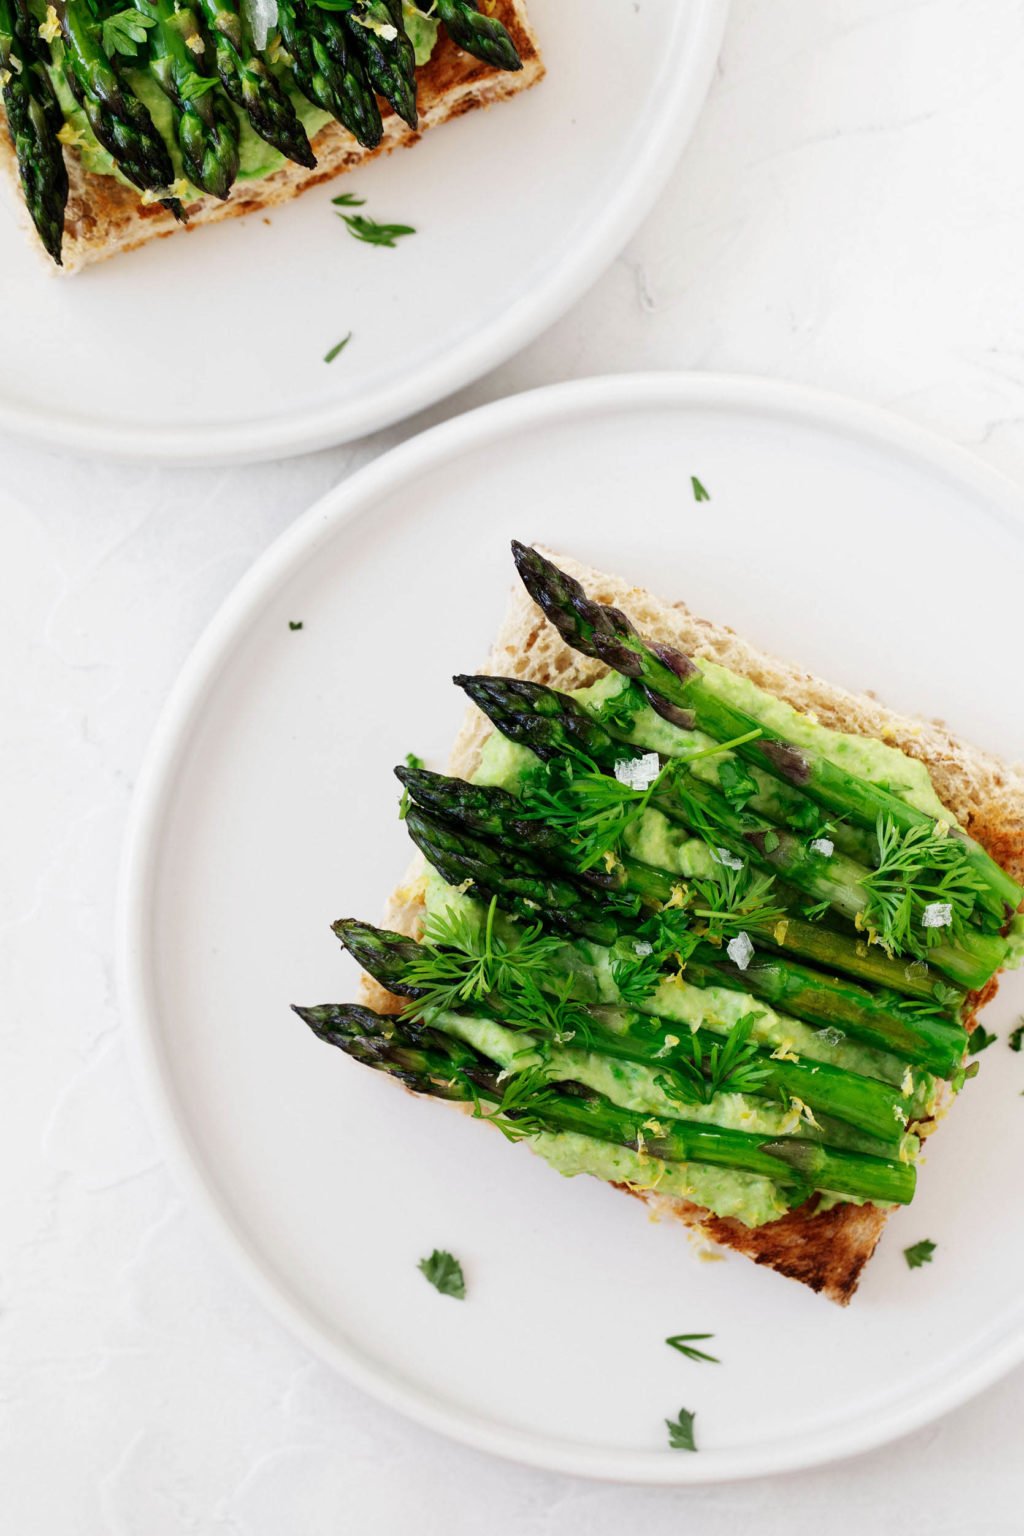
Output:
x,y
105,217
828,1249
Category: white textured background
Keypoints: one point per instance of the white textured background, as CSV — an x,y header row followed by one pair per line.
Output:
x,y
851,215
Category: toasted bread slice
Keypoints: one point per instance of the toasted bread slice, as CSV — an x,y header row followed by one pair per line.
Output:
x,y
105,217
824,1249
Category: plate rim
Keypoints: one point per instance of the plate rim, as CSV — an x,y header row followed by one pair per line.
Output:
x,y
257,441
140,865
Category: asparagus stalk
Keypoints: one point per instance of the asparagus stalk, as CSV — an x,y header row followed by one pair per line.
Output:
x,y
253,87
494,813
683,693
432,1063
118,119
552,725
835,1003
34,119
327,69
205,124
390,62
482,36
864,1102
522,886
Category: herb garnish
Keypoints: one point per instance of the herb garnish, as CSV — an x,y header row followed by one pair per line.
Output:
x,y
294,623
920,1253
684,1343
592,808
918,869
371,233
1016,1037
640,958
338,347
979,1040
124,31
737,900
195,85
680,1431
348,200
734,1066
736,782
444,1273
411,761
462,961
699,493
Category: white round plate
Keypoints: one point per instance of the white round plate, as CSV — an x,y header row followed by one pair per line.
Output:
x,y
834,535
212,348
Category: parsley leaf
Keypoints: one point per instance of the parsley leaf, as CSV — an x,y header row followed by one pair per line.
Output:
x,y
294,623
699,493
920,1253
195,85
372,233
736,783
1016,1037
124,31
680,1431
338,348
979,1040
621,709
444,1273
684,1342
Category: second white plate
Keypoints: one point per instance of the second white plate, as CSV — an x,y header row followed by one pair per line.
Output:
x,y
212,347
834,536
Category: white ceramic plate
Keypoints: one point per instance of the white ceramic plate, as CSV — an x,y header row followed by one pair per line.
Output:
x,y
833,535
212,348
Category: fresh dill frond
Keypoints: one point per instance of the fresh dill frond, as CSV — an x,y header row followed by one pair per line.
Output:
x,y
553,1014
685,1342
738,899
463,962
593,810
640,958
922,870
523,1103
733,1066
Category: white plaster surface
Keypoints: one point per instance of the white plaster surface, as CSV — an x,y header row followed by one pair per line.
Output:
x,y
850,215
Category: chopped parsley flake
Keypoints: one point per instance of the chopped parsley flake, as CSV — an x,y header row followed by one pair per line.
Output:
x,y
124,31
294,623
1016,1037
699,493
444,1273
980,1040
920,1253
680,1431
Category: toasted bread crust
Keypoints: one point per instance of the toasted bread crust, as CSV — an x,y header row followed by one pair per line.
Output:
x,y
823,1249
105,217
